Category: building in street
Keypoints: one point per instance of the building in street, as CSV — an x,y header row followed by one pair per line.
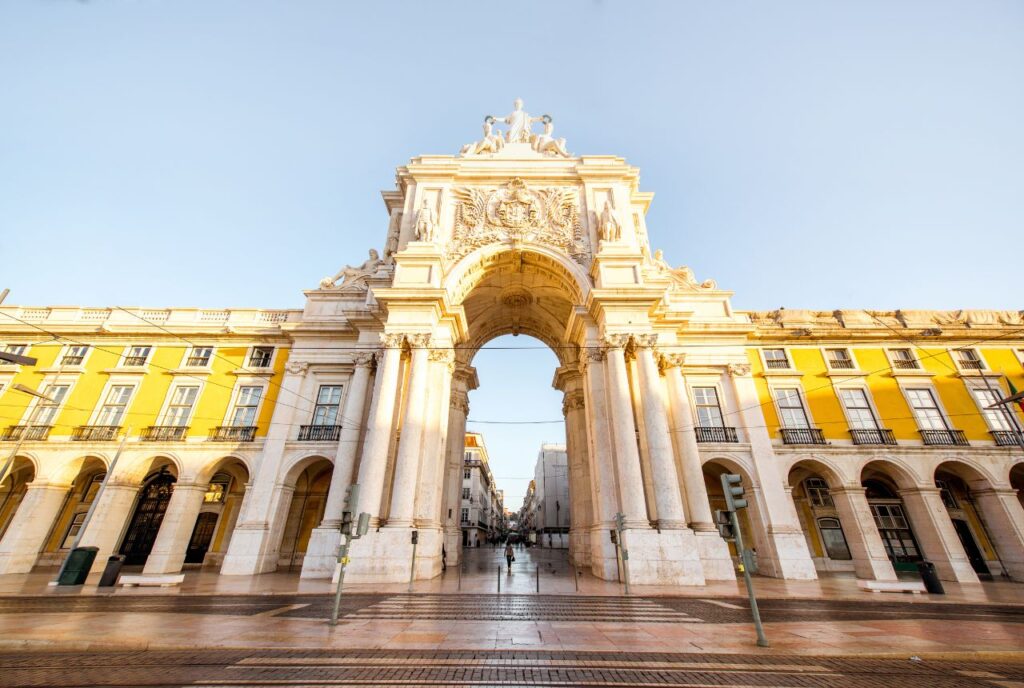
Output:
x,y
866,440
551,497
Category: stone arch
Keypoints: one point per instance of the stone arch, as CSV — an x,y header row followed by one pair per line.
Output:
x,y
208,470
753,524
896,471
300,462
308,481
227,479
140,468
23,471
828,470
65,473
828,520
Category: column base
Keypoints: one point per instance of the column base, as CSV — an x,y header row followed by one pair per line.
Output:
x,y
453,545
385,556
603,561
321,553
715,556
666,558
789,558
247,553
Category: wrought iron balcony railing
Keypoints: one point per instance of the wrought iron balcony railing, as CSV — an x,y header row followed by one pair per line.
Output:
x,y
95,433
802,436
1008,438
777,363
840,363
319,433
197,361
29,433
233,433
944,438
715,434
872,436
165,433
905,363
134,361
72,360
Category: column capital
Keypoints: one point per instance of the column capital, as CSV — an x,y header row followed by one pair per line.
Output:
x,y
446,356
459,401
738,369
647,340
612,342
572,400
364,359
590,355
392,340
667,362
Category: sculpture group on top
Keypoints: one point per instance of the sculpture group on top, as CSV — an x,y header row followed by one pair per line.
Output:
x,y
520,130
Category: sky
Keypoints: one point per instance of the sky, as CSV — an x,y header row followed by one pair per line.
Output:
x,y
230,154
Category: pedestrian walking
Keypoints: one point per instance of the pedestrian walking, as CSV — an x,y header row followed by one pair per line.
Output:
x,y
510,556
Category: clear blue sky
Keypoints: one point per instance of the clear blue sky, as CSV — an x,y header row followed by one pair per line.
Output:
x,y
230,153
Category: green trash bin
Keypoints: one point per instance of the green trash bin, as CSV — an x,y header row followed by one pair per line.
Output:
x,y
78,565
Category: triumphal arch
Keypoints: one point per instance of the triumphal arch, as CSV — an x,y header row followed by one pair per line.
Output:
x,y
516,235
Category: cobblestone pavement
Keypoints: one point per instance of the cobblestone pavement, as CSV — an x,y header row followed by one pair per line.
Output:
x,y
490,607
478,668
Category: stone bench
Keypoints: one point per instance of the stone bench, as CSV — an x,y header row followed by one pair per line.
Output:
x,y
164,581
915,587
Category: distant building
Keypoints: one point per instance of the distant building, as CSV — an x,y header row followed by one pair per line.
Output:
x,y
482,517
551,496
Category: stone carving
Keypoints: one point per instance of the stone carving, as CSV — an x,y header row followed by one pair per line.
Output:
x,y
899,319
517,213
645,341
490,143
608,227
426,221
420,340
616,341
546,144
354,277
446,356
519,123
296,367
669,361
391,245
738,369
363,359
682,274
392,340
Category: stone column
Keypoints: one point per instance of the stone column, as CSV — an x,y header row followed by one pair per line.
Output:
x,y
604,500
869,558
321,553
659,442
464,380
433,461
714,551
168,553
788,556
1004,523
110,520
253,547
933,529
627,455
374,462
407,468
27,533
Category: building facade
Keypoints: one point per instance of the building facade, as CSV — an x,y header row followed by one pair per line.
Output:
x,y
482,515
867,440
551,497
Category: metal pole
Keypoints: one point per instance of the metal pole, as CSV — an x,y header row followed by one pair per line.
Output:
x,y
412,566
538,577
460,573
762,640
342,562
625,559
499,579
576,579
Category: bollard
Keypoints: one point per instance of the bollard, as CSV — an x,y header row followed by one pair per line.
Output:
x,y
499,579
538,577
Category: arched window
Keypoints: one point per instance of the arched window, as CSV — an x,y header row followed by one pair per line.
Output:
x,y
833,538
817,492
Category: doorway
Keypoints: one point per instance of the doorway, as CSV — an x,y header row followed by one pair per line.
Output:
x,y
149,514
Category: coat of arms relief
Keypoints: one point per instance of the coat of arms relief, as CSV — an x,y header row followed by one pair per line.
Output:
x,y
515,213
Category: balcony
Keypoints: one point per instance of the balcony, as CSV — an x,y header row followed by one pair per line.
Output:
x,y
134,361
971,364
905,363
319,433
1007,438
165,433
802,436
197,361
715,434
233,433
72,360
944,438
95,433
777,363
33,433
872,436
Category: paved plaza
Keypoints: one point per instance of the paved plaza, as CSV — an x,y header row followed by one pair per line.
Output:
x,y
272,630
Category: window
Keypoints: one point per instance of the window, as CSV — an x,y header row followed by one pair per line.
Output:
x,y
74,355
327,400
16,349
858,410
791,408
260,356
137,356
709,413
926,409
115,405
46,411
968,359
947,495
218,489
839,359
180,407
199,357
73,528
465,515
904,359
995,417
465,493
833,539
817,492
468,456
466,474
245,406
775,358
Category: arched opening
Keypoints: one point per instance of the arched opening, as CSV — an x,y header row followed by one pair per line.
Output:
x,y
12,490
217,516
68,524
819,516
1017,481
144,526
879,480
306,510
750,518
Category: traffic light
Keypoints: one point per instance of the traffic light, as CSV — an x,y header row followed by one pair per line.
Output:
x,y
620,522
351,504
732,487
346,522
724,523
363,526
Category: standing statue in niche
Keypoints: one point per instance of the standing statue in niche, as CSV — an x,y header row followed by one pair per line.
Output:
x,y
350,274
609,228
426,221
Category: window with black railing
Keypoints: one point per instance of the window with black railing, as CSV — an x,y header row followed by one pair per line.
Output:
x,y
199,357
969,359
73,355
802,436
233,433
319,433
904,359
165,433
944,438
840,359
28,433
1007,438
776,358
95,433
872,436
716,434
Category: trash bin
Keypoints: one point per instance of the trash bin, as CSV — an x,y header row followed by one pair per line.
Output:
x,y
76,570
930,579
111,571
